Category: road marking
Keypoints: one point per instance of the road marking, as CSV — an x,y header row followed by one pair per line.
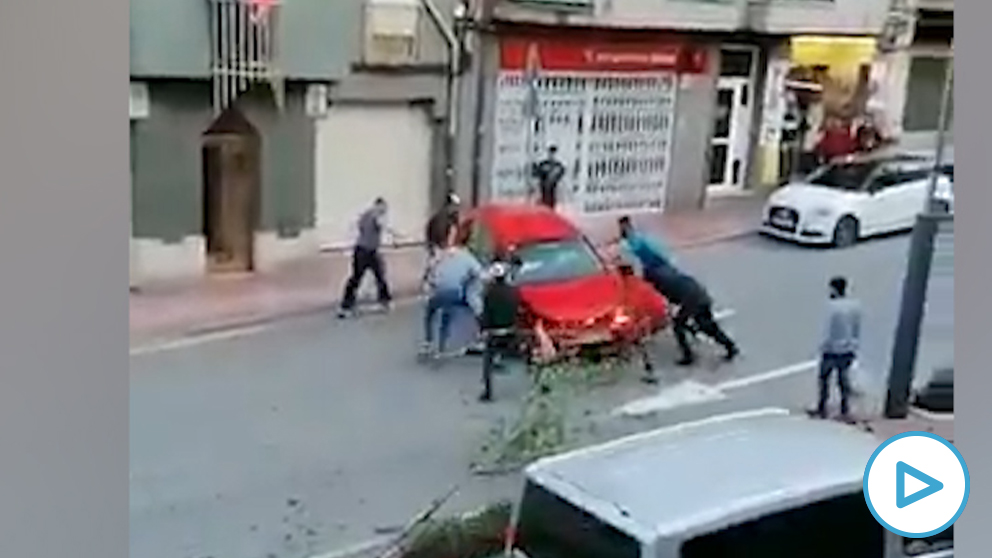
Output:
x,y
754,379
684,393
930,415
185,342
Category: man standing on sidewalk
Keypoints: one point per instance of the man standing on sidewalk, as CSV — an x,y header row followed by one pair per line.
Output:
x,y
839,348
549,174
366,257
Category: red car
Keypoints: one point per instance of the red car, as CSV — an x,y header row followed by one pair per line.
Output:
x,y
563,281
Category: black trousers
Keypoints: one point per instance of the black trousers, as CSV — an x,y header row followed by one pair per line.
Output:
x,y
829,364
499,345
364,260
701,314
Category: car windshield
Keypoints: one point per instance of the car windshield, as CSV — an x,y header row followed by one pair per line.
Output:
x,y
547,262
844,176
551,527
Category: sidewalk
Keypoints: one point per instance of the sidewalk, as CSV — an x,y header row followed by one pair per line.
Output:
x,y
314,285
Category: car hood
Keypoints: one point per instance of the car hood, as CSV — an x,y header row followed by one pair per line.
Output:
x,y
588,298
808,196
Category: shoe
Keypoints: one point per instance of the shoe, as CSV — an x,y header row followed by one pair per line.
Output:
x,y
385,307
686,361
344,314
486,398
650,379
732,353
816,413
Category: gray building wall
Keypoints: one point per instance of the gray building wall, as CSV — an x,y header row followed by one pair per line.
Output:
x,y
167,188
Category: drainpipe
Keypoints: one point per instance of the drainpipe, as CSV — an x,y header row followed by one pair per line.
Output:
x,y
451,96
481,19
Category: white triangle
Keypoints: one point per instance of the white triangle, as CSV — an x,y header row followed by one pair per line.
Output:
x,y
913,485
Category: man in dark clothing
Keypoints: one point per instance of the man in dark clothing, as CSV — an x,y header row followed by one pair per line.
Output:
x,y
694,306
549,174
366,257
440,224
500,308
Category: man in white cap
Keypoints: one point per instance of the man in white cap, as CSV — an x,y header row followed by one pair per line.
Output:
x,y
498,322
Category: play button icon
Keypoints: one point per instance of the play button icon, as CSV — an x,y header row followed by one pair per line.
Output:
x,y
904,498
916,484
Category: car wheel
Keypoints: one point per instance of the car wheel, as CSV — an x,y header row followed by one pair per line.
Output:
x,y
846,232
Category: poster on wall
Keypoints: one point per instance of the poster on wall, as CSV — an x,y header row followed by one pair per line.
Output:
x,y
608,109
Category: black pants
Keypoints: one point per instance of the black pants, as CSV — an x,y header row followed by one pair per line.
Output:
x,y
841,364
549,197
701,314
362,261
498,347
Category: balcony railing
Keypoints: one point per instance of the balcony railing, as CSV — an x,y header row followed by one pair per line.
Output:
x,y
244,53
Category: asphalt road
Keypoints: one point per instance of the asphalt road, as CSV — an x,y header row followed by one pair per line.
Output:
x,y
313,435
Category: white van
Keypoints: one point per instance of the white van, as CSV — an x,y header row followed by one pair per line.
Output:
x,y
759,484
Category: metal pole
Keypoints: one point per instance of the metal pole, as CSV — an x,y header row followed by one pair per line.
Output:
x,y
914,293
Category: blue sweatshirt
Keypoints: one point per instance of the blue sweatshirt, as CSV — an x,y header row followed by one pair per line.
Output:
x,y
650,252
454,270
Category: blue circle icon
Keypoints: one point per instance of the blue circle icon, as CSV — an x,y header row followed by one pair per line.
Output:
x,y
931,465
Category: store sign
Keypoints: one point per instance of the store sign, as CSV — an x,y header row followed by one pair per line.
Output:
x,y
577,56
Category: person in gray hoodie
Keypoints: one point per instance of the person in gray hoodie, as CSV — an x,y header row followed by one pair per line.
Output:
x,y
839,348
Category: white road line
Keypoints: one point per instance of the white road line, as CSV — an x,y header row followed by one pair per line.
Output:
x,y
754,379
928,415
198,340
358,549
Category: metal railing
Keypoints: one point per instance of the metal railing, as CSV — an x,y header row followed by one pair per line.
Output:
x,y
244,39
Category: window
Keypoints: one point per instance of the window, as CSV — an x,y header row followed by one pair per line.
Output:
x,y
896,177
829,529
844,176
550,527
924,90
556,261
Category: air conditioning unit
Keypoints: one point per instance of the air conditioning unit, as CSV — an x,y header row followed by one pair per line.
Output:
x,y
391,31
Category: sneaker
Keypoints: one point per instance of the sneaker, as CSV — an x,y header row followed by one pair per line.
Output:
x,y
385,307
486,398
732,353
686,361
650,379
344,314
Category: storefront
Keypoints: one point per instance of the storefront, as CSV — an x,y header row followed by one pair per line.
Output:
x,y
609,106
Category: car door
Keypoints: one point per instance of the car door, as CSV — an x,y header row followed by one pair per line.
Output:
x,y
896,196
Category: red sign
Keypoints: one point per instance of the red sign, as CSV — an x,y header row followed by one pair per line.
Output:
x,y
555,55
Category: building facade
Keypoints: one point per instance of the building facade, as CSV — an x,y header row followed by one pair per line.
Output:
x,y
654,105
260,129
912,70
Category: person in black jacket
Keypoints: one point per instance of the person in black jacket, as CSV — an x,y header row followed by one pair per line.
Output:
x,y
500,308
694,306
441,223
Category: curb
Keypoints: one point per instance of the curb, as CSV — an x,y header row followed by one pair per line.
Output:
x,y
224,325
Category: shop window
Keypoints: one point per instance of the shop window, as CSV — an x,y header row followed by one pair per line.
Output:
x,y
924,90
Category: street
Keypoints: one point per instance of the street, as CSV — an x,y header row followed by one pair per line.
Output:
x,y
313,435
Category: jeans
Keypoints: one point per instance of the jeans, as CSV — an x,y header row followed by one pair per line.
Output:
x,y
841,364
445,302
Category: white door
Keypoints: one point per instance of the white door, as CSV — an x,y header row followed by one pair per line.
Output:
x,y
731,134
896,197
365,152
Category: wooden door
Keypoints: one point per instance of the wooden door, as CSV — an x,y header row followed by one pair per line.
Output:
x,y
230,202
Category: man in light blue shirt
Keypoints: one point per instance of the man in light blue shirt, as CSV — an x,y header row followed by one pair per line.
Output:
x,y
452,278
650,252
839,347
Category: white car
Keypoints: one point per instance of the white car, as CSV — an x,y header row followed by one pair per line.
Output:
x,y
850,199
